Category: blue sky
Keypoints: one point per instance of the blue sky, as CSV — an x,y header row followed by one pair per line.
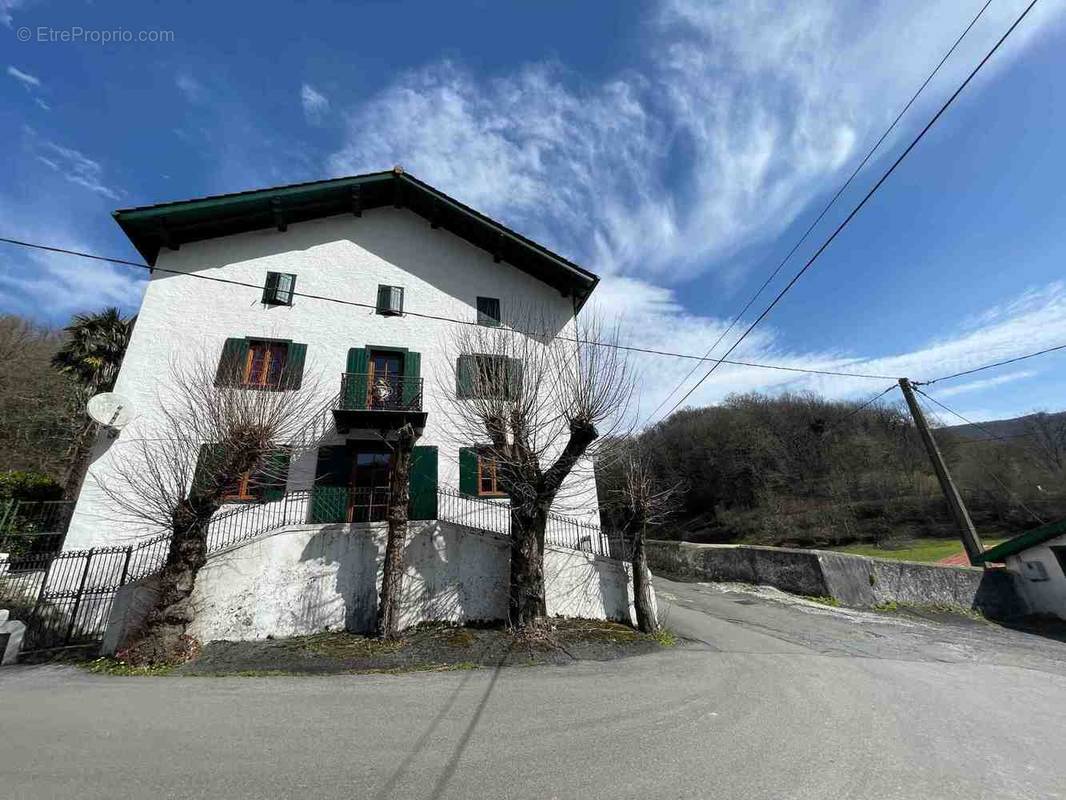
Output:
x,y
678,148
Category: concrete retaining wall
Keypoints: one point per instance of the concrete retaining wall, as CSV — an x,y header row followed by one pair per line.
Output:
x,y
313,578
853,580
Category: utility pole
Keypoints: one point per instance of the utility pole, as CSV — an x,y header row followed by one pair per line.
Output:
x,y
967,532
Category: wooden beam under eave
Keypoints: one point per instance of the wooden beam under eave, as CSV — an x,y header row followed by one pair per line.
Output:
x,y
165,237
434,216
497,250
279,215
357,200
397,192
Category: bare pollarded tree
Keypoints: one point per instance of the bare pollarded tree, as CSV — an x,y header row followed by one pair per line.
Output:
x,y
639,503
536,396
219,436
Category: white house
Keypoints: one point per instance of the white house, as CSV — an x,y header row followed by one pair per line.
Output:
x,y
1038,560
384,240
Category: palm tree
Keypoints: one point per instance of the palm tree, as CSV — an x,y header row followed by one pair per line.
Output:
x,y
91,356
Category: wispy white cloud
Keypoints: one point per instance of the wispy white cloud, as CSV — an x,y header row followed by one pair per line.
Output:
x,y
77,168
987,383
315,104
42,104
51,286
27,80
748,111
653,319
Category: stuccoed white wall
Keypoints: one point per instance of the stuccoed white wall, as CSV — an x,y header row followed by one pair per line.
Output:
x,y
1044,597
313,578
183,319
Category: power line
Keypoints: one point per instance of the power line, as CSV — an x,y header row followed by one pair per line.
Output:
x,y
977,425
990,366
436,317
838,422
862,203
828,205
984,467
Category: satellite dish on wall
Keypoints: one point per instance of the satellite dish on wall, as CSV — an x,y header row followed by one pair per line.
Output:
x,y
110,410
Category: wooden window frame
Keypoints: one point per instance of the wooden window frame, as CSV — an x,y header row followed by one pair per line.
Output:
x,y
244,492
249,361
482,459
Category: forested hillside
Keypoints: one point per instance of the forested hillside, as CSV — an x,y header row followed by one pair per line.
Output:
x,y
800,470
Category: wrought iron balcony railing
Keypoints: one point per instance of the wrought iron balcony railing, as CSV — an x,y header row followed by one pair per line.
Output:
x,y
369,392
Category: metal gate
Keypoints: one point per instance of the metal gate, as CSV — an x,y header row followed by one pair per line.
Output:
x,y
64,598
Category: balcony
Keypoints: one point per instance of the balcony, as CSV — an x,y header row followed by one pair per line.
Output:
x,y
377,402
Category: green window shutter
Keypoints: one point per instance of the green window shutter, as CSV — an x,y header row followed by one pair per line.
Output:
x,y
423,483
390,300
286,287
354,384
412,368
270,290
207,466
294,365
276,474
231,364
512,370
464,377
468,470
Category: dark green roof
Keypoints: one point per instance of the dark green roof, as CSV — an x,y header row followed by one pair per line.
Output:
x,y
152,228
1024,542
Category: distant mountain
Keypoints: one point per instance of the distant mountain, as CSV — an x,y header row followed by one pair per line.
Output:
x,y
1016,427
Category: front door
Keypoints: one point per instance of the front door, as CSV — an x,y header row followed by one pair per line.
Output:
x,y
384,379
369,494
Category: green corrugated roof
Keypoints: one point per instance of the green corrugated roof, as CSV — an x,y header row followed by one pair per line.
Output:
x,y
1023,542
151,228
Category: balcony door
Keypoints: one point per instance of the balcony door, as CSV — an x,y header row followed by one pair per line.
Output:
x,y
384,379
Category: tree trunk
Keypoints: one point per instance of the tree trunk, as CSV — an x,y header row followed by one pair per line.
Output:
x,y
78,463
388,617
163,639
527,607
646,620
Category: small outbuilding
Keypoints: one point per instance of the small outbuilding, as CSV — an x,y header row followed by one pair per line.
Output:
x,y
1038,558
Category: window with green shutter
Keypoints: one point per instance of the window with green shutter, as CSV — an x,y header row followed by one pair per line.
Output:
x,y
478,473
261,364
481,376
279,289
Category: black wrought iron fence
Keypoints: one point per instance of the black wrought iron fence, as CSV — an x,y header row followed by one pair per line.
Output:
x,y
65,598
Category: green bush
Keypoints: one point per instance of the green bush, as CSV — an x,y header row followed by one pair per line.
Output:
x,y
26,485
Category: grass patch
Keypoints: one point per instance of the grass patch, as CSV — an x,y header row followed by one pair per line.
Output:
x,y
924,550
344,645
666,638
111,666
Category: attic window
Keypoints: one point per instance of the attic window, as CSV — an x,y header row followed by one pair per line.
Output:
x,y
390,301
488,311
279,288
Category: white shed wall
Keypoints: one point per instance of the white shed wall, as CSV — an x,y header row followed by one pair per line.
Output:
x,y
1044,596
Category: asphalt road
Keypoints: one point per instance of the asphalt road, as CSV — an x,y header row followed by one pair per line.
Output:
x,y
774,699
